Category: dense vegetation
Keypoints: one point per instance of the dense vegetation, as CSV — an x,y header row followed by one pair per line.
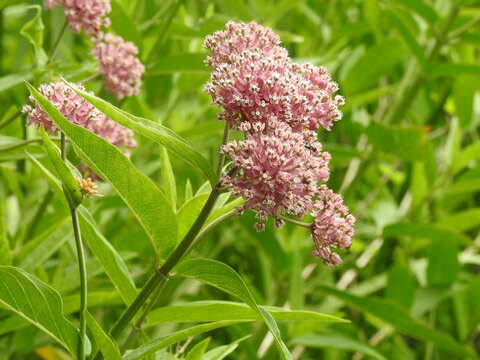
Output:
x,y
404,157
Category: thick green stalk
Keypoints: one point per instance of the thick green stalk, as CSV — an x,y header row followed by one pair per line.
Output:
x,y
160,277
83,283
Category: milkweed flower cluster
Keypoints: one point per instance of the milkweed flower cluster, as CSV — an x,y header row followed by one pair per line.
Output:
x,y
117,58
278,105
89,15
119,65
80,112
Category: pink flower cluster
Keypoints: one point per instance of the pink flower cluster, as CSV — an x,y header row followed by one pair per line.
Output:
x,y
119,65
270,176
117,58
253,79
78,111
89,15
279,105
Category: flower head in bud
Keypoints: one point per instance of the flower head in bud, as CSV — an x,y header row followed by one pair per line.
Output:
x,y
276,173
87,187
79,111
89,15
119,64
332,227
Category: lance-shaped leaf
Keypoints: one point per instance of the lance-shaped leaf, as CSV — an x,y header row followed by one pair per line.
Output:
x,y
206,311
154,131
226,279
139,192
398,317
158,344
37,303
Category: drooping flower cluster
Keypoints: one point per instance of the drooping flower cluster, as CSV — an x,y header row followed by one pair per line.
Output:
x,y
119,65
89,15
117,59
78,111
279,105
333,225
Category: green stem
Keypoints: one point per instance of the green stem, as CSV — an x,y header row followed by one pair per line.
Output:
x,y
296,222
57,42
138,324
83,283
159,278
221,160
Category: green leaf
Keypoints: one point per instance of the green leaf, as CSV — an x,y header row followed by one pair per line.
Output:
x,y
168,179
108,348
189,63
400,286
467,155
123,25
436,70
426,231
206,311
157,344
32,30
370,67
189,212
463,95
111,261
408,37
197,351
154,131
406,142
5,254
401,320
11,80
421,8
221,352
332,340
35,252
462,220
226,279
443,264
37,303
142,196
70,184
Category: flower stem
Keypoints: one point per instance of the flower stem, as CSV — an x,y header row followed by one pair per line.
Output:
x,y
57,42
161,275
221,160
83,283
296,222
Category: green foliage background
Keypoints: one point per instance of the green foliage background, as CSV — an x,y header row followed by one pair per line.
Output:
x,y
404,156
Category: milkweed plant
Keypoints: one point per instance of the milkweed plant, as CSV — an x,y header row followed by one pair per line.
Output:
x,y
84,140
